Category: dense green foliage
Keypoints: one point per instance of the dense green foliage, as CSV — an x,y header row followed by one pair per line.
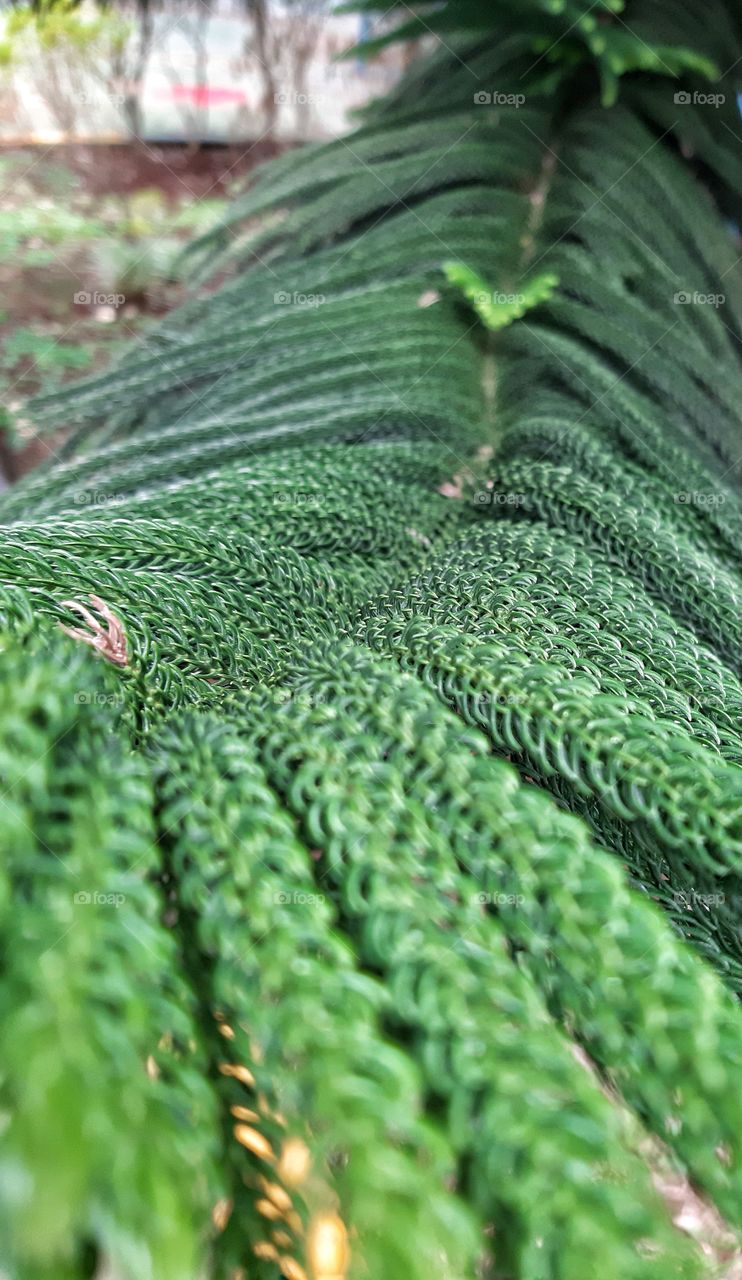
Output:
x,y
384,866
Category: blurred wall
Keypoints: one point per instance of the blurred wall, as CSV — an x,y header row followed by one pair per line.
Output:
x,y
228,72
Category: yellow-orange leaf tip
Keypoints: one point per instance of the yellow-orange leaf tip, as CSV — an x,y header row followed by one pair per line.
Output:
x,y
238,1072
291,1269
265,1250
268,1209
294,1163
220,1214
254,1141
327,1247
244,1113
280,1198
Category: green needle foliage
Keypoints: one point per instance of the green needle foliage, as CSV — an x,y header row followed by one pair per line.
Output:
x,y
563,32
372,839
97,1017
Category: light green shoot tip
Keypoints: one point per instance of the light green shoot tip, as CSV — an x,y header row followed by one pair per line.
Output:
x,y
496,308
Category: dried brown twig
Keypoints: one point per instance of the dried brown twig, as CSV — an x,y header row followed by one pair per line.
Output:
x,y
109,641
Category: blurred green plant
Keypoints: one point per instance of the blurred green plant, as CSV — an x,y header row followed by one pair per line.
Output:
x,y
64,22
56,240
29,357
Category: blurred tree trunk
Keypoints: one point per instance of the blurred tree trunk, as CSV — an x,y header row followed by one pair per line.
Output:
x,y
135,80
257,11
